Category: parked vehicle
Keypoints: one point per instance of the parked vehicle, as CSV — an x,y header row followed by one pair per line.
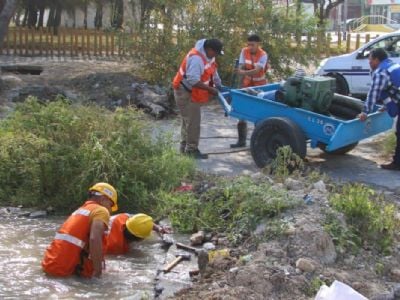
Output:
x,y
352,71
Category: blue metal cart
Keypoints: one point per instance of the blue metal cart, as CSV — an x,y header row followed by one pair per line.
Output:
x,y
277,125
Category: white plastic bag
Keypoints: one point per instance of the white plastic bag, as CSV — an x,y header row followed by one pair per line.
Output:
x,y
338,291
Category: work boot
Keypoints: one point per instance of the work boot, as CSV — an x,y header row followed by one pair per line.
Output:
x,y
242,135
196,154
392,166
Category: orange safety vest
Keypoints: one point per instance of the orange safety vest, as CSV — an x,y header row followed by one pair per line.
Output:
x,y
250,64
69,251
198,95
116,242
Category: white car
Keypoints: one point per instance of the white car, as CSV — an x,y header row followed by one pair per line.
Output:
x,y
352,71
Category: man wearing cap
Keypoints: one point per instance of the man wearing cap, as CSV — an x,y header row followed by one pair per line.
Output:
x,y
125,229
196,80
253,63
79,245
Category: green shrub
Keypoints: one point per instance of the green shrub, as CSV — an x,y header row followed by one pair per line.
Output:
x,y
285,163
235,206
50,154
367,215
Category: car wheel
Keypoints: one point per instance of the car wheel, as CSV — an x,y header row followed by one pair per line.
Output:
x,y
341,84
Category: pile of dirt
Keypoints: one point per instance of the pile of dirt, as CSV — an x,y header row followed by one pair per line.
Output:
x,y
296,262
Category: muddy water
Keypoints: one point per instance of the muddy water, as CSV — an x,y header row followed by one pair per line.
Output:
x,y
23,242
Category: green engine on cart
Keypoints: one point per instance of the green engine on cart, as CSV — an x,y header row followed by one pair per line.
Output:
x,y
310,93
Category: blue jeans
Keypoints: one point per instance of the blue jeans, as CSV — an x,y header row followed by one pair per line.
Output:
x,y
396,157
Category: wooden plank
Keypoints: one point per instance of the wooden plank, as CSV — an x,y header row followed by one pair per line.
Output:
x,y
95,43
87,33
71,42
76,45
59,42
101,43
64,42
26,42
107,45
40,41
339,41
47,42
357,41
51,44
112,43
367,38
328,44
7,43
15,42
20,33
348,42
82,37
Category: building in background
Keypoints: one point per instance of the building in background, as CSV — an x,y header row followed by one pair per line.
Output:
x,y
387,8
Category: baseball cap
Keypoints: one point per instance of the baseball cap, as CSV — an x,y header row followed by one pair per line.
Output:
x,y
215,44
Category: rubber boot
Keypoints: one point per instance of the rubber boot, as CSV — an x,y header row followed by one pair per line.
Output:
x,y
242,135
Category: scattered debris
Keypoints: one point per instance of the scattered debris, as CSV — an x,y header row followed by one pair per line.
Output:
x,y
197,238
38,214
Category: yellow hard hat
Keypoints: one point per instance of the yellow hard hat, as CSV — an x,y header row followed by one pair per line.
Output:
x,y
140,225
107,190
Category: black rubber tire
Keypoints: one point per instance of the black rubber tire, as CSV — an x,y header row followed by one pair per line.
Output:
x,y
341,84
273,133
343,112
349,102
340,151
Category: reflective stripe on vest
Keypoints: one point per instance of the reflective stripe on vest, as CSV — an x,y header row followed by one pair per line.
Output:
x,y
250,62
70,239
81,211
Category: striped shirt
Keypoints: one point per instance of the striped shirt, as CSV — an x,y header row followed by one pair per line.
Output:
x,y
380,81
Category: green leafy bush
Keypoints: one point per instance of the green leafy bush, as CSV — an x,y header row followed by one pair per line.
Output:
x,y
285,163
50,155
367,215
235,206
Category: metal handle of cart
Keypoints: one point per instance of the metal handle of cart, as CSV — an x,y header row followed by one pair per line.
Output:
x,y
226,106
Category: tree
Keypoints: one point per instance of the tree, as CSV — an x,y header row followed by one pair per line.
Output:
x,y
6,13
323,8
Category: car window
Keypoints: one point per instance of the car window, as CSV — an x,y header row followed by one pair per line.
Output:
x,y
391,45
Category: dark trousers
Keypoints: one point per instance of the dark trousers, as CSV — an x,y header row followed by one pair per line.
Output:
x,y
396,157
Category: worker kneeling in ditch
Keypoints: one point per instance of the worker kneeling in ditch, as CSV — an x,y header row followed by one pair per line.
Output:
x,y
79,245
125,229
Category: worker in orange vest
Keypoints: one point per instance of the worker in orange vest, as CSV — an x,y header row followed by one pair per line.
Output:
x,y
253,64
125,229
79,245
196,80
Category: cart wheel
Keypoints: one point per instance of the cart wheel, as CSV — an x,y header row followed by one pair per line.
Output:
x,y
340,151
273,133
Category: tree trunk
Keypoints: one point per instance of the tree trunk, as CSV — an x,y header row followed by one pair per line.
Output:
x,y
50,20
57,18
98,19
85,14
41,16
117,17
5,16
32,14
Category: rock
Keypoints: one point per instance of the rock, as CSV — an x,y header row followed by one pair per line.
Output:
x,y
208,237
293,184
306,265
396,291
272,249
202,261
38,214
24,214
197,238
209,246
384,296
44,93
4,211
395,274
320,186
233,270
223,241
